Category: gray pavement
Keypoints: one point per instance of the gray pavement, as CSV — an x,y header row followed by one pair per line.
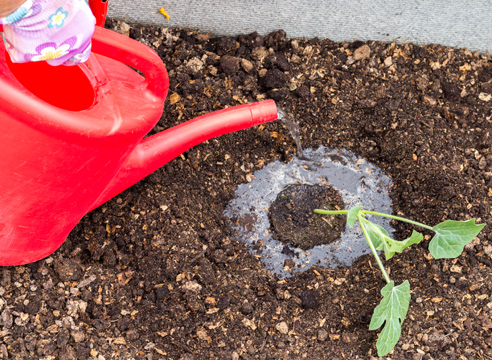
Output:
x,y
465,23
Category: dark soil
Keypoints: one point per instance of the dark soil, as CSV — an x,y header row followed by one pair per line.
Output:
x,y
293,221
155,274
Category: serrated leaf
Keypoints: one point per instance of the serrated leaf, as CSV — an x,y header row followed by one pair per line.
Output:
x,y
389,245
392,309
352,215
451,237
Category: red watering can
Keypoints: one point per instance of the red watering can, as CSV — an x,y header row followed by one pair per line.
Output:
x,y
72,138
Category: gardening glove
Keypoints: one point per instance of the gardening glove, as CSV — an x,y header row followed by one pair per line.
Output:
x,y
58,31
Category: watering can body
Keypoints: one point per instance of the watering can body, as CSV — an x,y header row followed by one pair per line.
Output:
x,y
72,138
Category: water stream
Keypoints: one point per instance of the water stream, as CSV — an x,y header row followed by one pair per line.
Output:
x,y
293,128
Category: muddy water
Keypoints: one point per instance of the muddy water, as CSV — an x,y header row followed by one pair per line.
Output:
x,y
358,182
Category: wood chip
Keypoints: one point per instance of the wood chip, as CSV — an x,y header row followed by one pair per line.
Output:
x,y
485,97
282,327
174,98
455,269
248,323
119,341
475,287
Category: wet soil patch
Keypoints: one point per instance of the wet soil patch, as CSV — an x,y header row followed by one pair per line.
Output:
x,y
155,273
358,182
293,221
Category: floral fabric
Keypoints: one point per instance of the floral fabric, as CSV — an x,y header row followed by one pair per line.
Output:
x,y
56,31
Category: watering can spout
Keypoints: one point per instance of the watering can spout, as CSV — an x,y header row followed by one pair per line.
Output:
x,y
155,151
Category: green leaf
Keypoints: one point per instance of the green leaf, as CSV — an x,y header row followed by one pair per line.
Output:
x,y
392,246
392,309
451,237
352,215
389,245
373,235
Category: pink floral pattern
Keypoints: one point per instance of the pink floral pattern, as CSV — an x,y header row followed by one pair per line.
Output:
x,y
51,51
56,31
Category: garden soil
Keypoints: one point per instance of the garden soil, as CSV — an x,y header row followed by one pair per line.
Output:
x,y
156,273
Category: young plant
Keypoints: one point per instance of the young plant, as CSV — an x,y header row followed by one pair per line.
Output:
x,y
448,242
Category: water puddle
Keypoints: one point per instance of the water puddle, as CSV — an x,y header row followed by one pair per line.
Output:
x,y
357,181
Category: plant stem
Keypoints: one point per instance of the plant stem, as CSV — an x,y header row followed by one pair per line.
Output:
x,y
373,249
398,218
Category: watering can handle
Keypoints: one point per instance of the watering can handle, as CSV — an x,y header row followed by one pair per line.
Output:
x,y
99,10
134,54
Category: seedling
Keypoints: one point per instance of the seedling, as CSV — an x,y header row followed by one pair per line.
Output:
x,y
448,242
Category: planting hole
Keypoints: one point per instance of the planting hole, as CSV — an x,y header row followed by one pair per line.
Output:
x,y
293,221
